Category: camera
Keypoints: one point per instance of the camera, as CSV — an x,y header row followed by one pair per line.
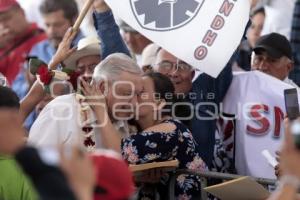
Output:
x,y
292,109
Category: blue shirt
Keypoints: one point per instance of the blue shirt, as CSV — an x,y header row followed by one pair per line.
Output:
x,y
45,51
203,130
109,34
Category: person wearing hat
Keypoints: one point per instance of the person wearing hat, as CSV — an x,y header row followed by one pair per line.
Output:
x,y
83,60
67,131
117,67
17,37
86,57
273,56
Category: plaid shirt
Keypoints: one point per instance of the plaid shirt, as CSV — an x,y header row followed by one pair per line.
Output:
x,y
295,42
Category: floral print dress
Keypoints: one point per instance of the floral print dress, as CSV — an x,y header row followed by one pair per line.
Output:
x,y
146,147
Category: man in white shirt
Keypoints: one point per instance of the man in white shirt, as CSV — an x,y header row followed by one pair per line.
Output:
x,y
257,102
68,120
273,56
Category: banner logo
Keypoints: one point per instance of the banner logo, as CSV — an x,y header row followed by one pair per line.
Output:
x,y
165,15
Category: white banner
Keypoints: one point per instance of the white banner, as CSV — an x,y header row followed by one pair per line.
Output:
x,y
203,33
257,100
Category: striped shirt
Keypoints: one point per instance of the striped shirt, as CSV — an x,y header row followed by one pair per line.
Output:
x,y
295,42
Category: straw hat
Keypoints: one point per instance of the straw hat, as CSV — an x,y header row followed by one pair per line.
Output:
x,y
88,46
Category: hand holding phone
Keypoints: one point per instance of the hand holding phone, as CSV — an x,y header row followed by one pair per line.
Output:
x,y
291,103
292,109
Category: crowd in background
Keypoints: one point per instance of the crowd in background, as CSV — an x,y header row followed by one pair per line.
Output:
x,y
77,107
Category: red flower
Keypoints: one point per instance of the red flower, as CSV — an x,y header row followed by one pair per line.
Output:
x,y
87,129
89,142
45,74
73,79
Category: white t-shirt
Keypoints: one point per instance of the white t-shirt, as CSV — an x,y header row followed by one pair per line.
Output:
x,y
59,123
249,90
290,82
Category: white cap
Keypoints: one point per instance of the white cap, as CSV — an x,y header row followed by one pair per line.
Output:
x,y
149,54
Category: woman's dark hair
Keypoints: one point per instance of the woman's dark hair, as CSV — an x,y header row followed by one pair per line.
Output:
x,y
8,98
257,11
69,7
164,89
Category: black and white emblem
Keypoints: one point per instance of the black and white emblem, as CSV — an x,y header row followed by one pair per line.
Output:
x,y
165,15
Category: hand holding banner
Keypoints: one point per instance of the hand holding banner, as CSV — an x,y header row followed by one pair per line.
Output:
x,y
82,14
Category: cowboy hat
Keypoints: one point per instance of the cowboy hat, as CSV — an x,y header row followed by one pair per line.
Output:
x,y
88,46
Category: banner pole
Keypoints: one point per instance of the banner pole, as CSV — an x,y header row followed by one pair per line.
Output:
x,y
82,14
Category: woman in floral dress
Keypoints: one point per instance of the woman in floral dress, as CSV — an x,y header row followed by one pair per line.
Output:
x,y
150,146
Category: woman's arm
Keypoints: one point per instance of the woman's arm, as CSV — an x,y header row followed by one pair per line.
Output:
x,y
37,93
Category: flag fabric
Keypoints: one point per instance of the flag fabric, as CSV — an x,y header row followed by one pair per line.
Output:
x,y
203,33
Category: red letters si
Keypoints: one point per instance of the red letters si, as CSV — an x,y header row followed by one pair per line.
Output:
x,y
258,114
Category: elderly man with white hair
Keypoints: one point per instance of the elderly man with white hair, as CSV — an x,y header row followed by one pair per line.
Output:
x,y
68,120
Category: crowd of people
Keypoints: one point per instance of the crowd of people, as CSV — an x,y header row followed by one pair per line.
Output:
x,y
78,107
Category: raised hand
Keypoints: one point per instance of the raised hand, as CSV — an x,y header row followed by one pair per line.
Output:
x,y
64,49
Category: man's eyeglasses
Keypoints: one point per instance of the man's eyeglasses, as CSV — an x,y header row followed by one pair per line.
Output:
x,y
167,66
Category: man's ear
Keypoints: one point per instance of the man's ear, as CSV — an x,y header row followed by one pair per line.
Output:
x,y
193,74
103,86
290,66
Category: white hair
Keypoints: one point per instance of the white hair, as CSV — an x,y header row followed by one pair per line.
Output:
x,y
113,66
